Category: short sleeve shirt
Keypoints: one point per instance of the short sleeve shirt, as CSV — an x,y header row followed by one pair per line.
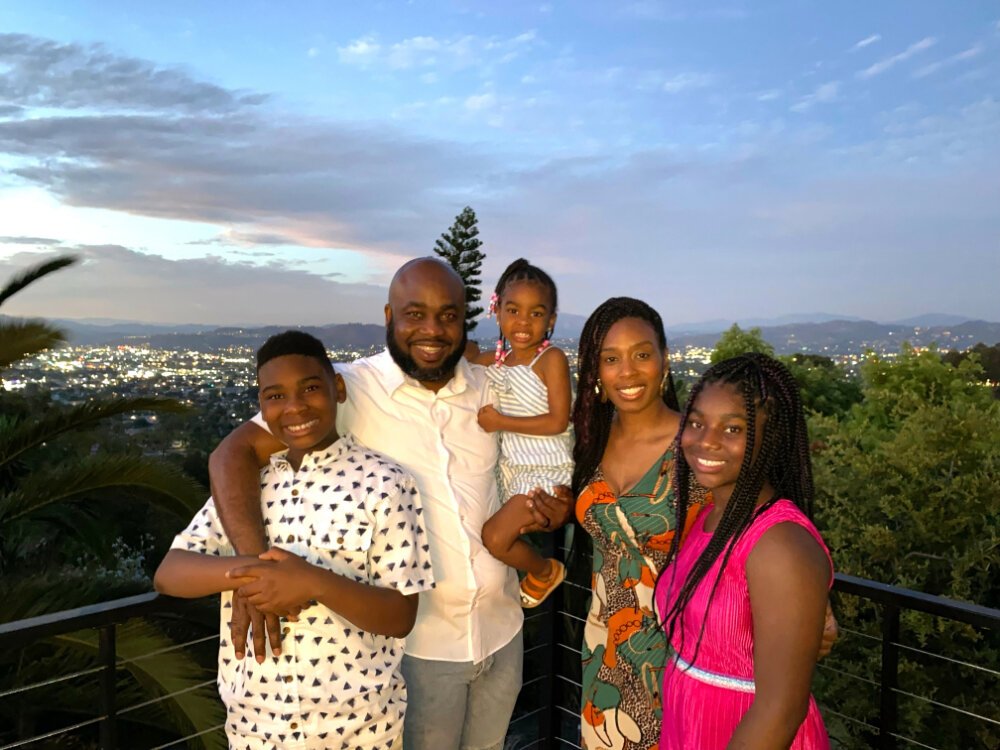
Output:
x,y
355,512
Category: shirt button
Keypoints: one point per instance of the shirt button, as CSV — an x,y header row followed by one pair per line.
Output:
x,y
290,539
295,493
286,630
294,725
288,678
340,540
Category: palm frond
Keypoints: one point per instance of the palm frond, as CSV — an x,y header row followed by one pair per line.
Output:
x,y
20,339
27,435
91,478
40,593
164,671
153,668
21,280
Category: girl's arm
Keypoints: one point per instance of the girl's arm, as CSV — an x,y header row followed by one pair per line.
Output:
x,y
189,575
788,575
553,369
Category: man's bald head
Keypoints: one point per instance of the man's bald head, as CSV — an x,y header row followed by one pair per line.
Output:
x,y
427,270
425,320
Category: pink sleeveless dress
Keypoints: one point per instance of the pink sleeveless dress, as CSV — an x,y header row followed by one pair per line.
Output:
x,y
703,706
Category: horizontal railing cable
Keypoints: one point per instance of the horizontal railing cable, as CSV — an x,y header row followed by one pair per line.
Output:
x,y
54,733
851,675
168,696
942,657
50,681
912,741
859,634
947,707
827,711
168,649
175,743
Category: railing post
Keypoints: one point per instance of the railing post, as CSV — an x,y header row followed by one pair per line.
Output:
x,y
551,720
888,721
108,680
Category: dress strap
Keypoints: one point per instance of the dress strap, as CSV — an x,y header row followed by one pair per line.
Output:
x,y
541,350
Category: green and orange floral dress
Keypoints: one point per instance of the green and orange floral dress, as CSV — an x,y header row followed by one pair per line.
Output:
x,y
624,649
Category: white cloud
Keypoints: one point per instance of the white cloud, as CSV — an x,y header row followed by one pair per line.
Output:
x,y
823,94
361,52
427,51
480,102
121,283
684,81
866,41
934,67
769,95
312,52
883,65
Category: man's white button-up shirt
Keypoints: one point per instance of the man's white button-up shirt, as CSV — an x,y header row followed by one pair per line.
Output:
x,y
474,609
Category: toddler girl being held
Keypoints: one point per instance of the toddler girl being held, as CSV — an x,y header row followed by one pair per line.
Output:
x,y
530,378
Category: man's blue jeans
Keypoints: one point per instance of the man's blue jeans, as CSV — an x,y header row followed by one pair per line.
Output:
x,y
461,705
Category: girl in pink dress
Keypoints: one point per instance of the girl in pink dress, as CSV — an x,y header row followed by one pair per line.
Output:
x,y
743,600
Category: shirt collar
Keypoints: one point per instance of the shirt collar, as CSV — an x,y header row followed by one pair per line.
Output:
x,y
394,378
317,459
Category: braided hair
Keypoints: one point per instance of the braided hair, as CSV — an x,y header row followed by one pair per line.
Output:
x,y
783,462
591,415
522,270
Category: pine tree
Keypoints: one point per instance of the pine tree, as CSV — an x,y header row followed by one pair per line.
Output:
x,y
459,247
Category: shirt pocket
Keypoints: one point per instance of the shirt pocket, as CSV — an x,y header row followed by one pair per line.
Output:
x,y
343,540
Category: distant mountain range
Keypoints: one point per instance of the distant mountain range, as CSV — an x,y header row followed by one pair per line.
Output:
x,y
816,332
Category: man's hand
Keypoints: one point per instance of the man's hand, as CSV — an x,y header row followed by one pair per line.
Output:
x,y
281,583
489,418
550,511
831,632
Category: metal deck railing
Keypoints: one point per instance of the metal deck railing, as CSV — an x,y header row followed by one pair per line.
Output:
x,y
547,713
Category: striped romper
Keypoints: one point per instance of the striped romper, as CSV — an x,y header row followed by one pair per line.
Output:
x,y
528,461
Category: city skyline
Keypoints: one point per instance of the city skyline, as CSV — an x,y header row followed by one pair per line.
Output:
x,y
256,164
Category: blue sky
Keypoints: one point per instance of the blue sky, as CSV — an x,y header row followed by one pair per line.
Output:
x,y
250,163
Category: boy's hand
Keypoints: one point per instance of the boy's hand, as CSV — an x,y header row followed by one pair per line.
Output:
x,y
247,617
489,418
280,584
549,511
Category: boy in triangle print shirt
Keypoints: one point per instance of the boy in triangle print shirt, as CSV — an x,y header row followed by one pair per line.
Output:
x,y
346,541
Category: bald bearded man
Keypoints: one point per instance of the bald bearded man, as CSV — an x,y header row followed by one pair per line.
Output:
x,y
417,402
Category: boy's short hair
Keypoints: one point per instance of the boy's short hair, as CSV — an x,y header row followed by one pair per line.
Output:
x,y
293,342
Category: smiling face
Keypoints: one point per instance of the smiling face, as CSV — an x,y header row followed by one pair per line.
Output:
x,y
631,366
714,440
425,321
298,400
525,313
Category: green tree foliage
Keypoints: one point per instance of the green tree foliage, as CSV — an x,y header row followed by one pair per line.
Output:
x,y
459,247
908,493
826,388
64,509
736,341
988,358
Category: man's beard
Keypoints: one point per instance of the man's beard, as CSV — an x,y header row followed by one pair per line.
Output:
x,y
409,365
